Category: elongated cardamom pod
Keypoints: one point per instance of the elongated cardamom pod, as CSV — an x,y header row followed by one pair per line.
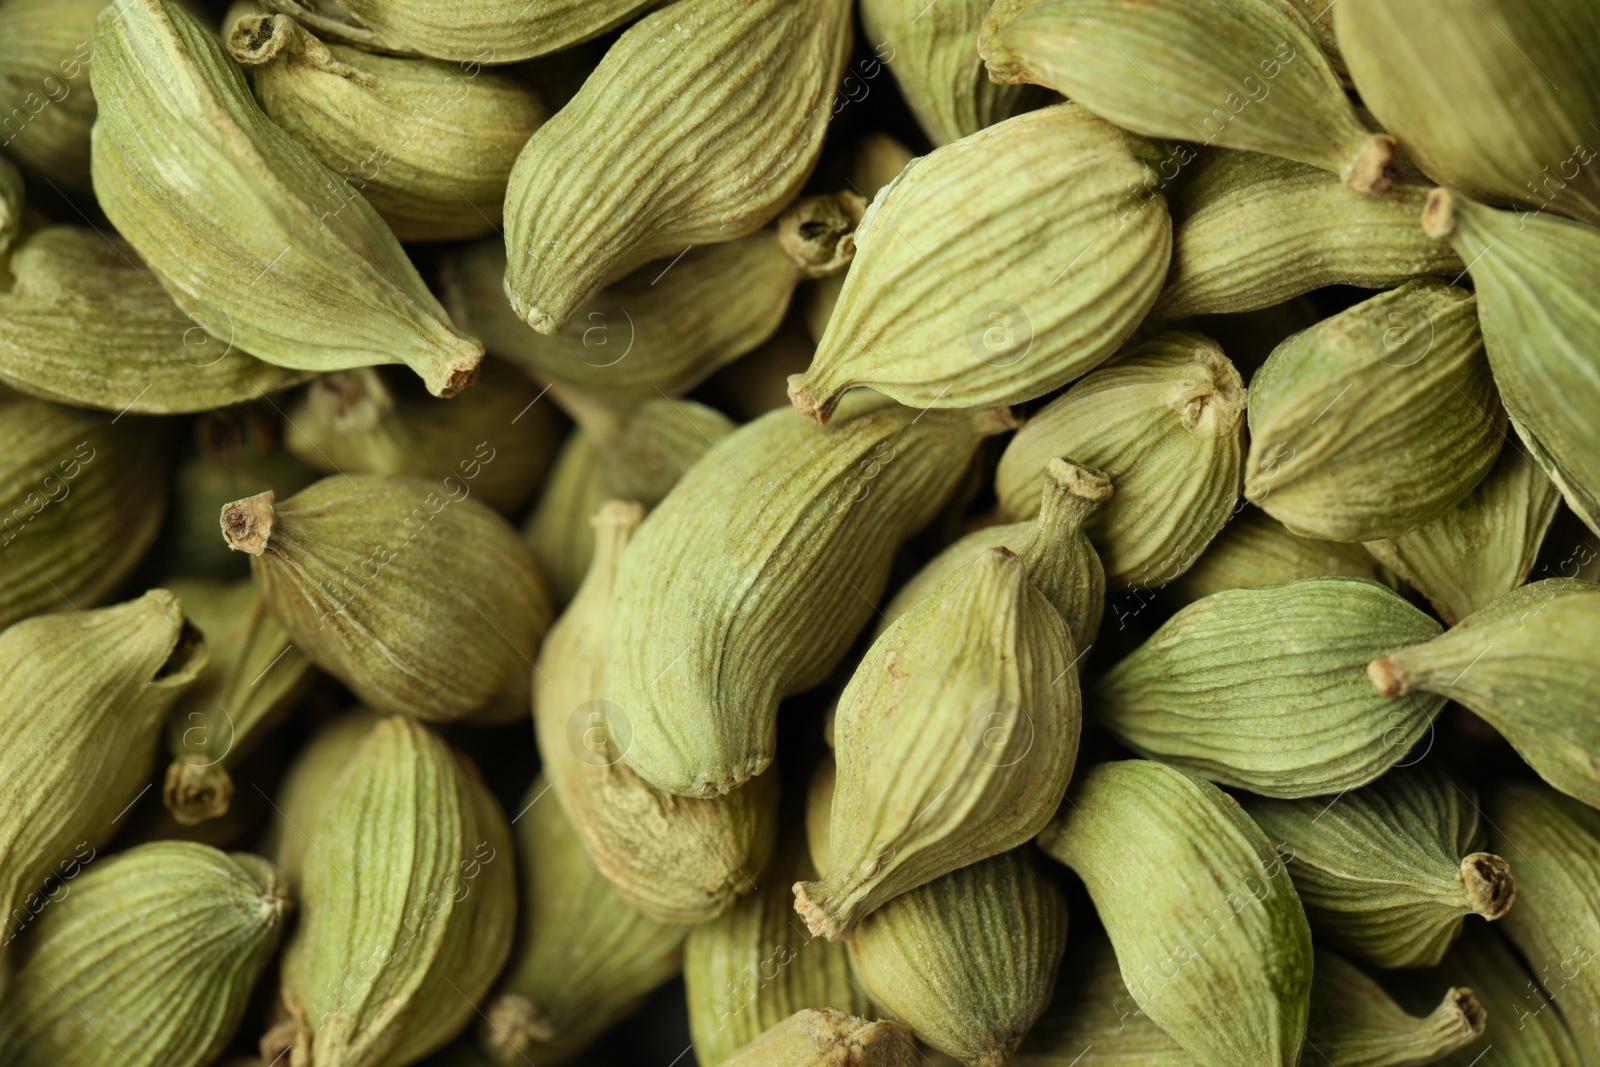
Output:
x,y
1377,420
81,499
586,957
429,145
148,959
253,680
1264,689
367,571
1165,422
267,248
669,325
1389,872
83,696
1251,231
825,1037
981,765
307,788
811,516
878,160
1256,550
44,87
1526,665
1482,548
1556,924
12,192
1246,74
1538,315
738,91
676,859
408,903
1061,562
1210,937
1056,265
1353,1021
1495,99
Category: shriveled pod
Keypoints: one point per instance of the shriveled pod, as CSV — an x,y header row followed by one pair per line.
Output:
x,y
1256,550
1354,1021
44,86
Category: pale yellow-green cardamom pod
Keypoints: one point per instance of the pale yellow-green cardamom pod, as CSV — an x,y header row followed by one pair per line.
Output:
x,y
1210,937
369,573
45,98
1526,665
429,144
977,769
147,960
1377,420
264,246
1165,422
970,289
12,195
826,1037
737,92
1256,550
1355,1023
1243,74
1388,873
302,798
811,517
1266,689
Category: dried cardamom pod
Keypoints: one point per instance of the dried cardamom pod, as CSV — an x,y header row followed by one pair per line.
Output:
x,y
1265,689
1389,872
148,959
304,795
81,499
1056,265
44,87
1353,1021
1251,231
1492,97
408,905
676,859
83,696
253,680
1376,421
1538,314
1210,937
367,571
1482,548
264,246
12,194
1197,72
586,957
811,516
980,765
826,1037
1165,422
429,146
1525,664
737,92
1255,550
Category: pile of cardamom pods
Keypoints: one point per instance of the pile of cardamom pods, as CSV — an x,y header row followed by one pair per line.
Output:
x,y
1051,532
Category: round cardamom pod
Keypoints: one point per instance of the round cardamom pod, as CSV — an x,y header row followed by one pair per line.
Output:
x,y
825,1037
367,571
1354,1021
149,958
1256,550
44,86
303,796
1265,689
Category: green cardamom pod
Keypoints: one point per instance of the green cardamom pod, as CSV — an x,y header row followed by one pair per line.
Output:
x,y
1265,689
1165,422
1256,550
1246,74
1056,265
12,195
1482,548
1211,939
1492,97
809,515
1388,873
83,697
826,1037
1376,421
586,957
267,248
45,97
147,960
738,92
369,573
429,145
1251,231
676,859
303,796
1525,664
977,769
1538,314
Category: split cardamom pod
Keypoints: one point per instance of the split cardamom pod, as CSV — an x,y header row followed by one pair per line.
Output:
x,y
1353,1021
366,571
1376,421
1265,689
1056,263
826,1037
264,246
1256,550
737,93
44,87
